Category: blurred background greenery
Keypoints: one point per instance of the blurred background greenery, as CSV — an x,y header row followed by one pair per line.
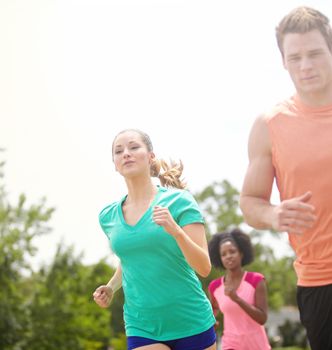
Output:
x,y
51,307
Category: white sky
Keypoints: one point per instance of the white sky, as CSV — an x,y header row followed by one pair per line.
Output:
x,y
192,74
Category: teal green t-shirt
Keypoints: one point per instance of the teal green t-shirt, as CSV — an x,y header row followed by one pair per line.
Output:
x,y
164,299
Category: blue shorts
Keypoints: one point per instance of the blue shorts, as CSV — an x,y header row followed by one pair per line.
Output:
x,y
199,341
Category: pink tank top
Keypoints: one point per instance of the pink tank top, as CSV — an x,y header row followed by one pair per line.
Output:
x,y
240,331
301,139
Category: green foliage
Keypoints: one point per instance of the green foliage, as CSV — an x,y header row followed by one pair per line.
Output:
x,y
291,348
279,274
53,308
19,225
293,333
117,323
219,203
119,343
63,297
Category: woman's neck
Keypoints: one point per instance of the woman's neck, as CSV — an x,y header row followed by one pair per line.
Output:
x,y
140,192
235,274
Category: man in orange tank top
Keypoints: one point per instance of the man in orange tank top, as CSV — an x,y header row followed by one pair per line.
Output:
x,y
292,144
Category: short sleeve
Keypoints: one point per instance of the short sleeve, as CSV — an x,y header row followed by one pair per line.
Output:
x,y
186,210
254,278
107,217
213,285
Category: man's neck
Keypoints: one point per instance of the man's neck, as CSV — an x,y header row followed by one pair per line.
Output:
x,y
317,99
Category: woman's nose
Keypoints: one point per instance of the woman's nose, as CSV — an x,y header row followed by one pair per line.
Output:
x,y
126,152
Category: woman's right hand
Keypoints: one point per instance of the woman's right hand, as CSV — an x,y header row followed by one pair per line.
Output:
x,y
103,296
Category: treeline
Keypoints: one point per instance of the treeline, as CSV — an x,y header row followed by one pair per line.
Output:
x,y
220,204
52,308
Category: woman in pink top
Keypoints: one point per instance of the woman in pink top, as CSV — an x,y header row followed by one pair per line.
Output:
x,y
240,295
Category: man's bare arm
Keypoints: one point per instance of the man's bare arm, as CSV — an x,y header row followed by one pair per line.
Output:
x,y
293,215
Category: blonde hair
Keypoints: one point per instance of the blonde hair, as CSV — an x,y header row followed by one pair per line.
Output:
x,y
301,20
169,174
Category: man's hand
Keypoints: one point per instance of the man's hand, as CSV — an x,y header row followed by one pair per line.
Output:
x,y
294,215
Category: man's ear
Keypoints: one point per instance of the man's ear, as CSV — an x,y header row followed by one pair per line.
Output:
x,y
284,63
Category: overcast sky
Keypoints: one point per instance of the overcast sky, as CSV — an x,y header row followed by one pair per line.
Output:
x,y
192,74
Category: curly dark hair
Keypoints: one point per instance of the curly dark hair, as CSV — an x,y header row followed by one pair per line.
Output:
x,y
236,236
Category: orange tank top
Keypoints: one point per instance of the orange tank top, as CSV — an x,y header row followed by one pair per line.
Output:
x,y
301,138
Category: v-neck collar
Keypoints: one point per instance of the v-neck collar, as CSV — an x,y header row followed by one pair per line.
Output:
x,y
144,215
241,282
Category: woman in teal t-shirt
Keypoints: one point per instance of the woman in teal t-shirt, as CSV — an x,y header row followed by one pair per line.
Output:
x,y
158,234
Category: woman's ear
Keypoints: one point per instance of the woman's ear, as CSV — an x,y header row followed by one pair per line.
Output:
x,y
152,157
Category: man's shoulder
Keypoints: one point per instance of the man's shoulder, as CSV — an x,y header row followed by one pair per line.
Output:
x,y
282,108
274,116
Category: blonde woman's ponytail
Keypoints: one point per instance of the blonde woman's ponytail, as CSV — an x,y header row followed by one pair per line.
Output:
x,y
170,176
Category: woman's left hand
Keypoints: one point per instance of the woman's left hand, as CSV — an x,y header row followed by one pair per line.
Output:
x,y
161,216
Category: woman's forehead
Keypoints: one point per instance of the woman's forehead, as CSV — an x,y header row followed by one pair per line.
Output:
x,y
227,243
126,137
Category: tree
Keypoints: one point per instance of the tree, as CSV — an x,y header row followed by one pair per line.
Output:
x,y
219,202
279,274
19,225
293,333
51,308
220,205
62,296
